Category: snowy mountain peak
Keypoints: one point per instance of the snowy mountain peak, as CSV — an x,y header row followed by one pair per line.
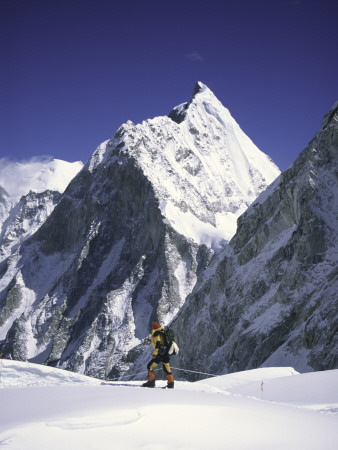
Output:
x,y
199,87
204,170
204,100
178,114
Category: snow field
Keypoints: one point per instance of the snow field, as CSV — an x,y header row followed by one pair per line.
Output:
x,y
37,175
46,408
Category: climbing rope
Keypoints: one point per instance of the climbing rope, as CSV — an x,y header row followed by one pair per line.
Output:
x,y
156,370
195,371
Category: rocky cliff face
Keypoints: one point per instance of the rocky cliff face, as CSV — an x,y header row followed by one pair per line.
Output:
x,y
128,239
22,220
270,298
5,205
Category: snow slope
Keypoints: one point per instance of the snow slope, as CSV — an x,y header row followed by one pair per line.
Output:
x,y
50,408
36,175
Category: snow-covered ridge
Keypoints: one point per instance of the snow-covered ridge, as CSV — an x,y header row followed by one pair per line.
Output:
x,y
50,408
37,175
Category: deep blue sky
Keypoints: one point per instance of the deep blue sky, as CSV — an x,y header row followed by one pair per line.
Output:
x,y
73,71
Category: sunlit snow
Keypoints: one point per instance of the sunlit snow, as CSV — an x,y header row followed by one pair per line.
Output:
x,y
37,175
204,170
276,408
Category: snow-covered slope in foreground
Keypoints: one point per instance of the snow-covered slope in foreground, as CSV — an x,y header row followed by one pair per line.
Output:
x,y
46,408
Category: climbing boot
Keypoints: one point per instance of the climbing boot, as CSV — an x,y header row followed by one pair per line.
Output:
x,y
151,380
170,379
149,384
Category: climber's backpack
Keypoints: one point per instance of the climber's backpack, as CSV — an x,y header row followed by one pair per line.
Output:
x,y
170,341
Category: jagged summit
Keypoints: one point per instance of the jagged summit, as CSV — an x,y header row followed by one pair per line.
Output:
x,y
178,113
198,88
204,169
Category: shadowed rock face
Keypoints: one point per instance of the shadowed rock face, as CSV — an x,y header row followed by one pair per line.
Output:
x,y
24,218
96,261
128,240
271,297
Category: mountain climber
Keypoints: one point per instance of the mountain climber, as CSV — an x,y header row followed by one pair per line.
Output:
x,y
160,355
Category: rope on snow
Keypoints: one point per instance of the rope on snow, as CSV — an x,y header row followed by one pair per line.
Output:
x,y
194,371
176,368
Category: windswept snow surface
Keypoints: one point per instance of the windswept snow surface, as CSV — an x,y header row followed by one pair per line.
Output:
x,y
37,175
46,408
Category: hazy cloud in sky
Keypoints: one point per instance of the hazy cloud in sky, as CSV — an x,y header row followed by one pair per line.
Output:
x,y
195,57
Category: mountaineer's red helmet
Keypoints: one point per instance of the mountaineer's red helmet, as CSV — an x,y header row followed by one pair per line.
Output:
x,y
156,325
